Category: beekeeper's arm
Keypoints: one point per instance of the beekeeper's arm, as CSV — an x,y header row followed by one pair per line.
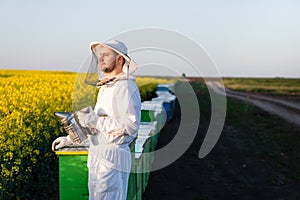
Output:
x,y
126,120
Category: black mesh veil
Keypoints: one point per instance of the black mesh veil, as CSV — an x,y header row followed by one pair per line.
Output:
x,y
93,73
84,90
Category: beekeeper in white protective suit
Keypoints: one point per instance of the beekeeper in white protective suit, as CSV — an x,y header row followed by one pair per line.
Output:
x,y
115,119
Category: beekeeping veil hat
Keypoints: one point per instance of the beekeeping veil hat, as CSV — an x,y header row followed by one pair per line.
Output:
x,y
90,73
117,46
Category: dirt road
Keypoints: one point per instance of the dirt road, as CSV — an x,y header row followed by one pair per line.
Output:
x,y
288,110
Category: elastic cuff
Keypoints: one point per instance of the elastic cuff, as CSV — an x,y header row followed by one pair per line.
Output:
x,y
69,140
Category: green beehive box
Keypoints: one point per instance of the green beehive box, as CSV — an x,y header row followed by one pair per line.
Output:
x,y
73,174
146,164
147,115
154,111
139,176
132,186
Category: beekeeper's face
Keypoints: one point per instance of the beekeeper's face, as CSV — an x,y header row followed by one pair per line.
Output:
x,y
106,59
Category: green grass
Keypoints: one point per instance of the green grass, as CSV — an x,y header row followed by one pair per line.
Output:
x,y
264,85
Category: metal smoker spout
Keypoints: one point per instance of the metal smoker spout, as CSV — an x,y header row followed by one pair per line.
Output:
x,y
63,115
77,133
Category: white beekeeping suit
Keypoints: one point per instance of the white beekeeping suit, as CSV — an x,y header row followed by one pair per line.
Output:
x,y
117,112
109,159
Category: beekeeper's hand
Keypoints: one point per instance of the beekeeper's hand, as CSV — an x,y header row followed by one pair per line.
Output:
x,y
87,119
61,142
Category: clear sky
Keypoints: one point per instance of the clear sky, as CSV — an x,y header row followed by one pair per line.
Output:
x,y
243,37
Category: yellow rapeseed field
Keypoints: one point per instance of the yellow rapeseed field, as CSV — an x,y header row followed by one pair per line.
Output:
x,y
28,100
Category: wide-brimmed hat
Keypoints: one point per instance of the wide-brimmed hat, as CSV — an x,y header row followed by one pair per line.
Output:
x,y
120,48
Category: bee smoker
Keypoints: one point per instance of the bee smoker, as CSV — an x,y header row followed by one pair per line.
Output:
x,y
77,133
